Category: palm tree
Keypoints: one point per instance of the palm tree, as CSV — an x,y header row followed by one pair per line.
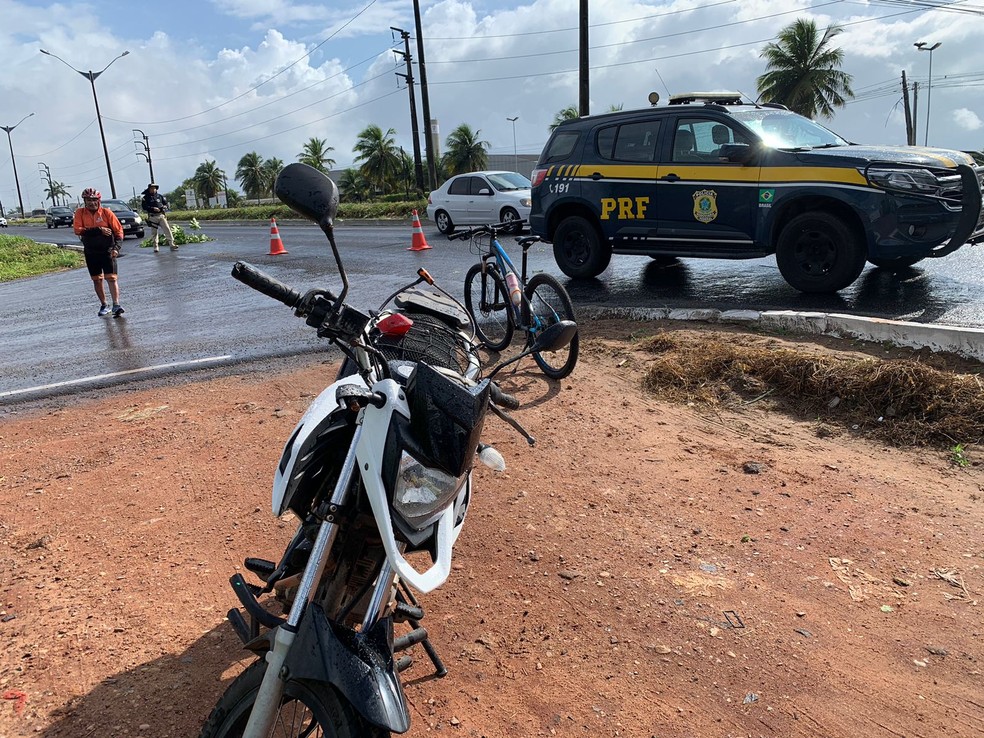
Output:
x,y
379,156
250,174
564,115
271,168
465,152
209,179
802,71
353,185
57,190
315,154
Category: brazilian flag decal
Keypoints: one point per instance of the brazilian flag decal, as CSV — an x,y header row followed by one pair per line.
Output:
x,y
767,196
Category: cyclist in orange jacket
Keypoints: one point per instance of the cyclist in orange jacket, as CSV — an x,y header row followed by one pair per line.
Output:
x,y
102,237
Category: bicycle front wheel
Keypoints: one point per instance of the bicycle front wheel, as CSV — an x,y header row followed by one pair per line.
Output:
x,y
549,303
487,303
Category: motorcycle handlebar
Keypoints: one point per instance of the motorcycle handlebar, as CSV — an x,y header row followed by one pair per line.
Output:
x,y
262,282
504,399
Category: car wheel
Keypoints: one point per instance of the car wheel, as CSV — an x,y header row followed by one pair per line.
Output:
x,y
49,226
140,233
512,219
819,252
444,223
902,262
578,248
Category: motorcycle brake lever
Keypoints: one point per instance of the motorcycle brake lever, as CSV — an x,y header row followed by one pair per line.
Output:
x,y
514,423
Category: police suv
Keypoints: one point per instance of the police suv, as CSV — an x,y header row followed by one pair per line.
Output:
x,y
710,176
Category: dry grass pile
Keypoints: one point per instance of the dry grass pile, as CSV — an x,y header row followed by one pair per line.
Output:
x,y
902,401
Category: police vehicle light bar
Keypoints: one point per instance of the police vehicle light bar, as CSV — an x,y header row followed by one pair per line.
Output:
x,y
721,98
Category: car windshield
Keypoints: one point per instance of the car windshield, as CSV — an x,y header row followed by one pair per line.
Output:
x,y
784,129
60,211
505,181
116,207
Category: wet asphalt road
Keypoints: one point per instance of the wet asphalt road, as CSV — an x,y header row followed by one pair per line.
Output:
x,y
183,308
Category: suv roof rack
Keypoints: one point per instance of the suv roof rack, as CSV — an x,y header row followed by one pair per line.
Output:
x,y
720,98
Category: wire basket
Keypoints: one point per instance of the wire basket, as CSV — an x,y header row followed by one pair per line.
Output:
x,y
430,340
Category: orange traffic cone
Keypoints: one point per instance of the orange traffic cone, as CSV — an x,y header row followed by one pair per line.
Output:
x,y
276,245
418,242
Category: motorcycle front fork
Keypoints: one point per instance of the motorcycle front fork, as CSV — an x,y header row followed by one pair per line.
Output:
x,y
271,692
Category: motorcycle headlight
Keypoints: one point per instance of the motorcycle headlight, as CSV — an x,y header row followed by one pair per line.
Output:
x,y
905,180
421,492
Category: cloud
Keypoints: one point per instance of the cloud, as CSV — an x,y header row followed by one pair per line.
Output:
x,y
967,119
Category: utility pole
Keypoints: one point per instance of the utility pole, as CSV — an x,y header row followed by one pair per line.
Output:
x,y
146,151
425,99
46,174
583,86
418,166
910,135
915,110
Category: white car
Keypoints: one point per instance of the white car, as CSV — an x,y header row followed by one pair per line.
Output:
x,y
3,222
480,197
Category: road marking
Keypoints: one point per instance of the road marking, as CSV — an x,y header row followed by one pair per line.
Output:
x,y
128,372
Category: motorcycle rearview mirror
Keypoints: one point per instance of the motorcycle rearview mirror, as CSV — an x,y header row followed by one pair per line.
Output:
x,y
315,196
309,192
554,338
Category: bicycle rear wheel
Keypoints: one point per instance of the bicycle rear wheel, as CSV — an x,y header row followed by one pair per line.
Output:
x,y
549,303
487,303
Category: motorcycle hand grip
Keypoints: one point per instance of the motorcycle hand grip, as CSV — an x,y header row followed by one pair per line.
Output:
x,y
503,399
262,282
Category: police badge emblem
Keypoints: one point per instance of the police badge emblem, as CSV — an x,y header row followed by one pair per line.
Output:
x,y
705,205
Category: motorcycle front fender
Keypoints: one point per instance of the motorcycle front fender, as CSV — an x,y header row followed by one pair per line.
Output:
x,y
359,665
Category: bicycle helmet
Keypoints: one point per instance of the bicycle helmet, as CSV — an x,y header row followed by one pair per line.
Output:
x,y
90,193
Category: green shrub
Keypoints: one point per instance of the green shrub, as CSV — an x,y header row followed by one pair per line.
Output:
x,y
22,257
347,210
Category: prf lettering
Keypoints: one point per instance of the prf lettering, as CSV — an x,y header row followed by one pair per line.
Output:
x,y
629,208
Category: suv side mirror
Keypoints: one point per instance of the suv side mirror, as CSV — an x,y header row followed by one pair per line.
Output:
x,y
737,152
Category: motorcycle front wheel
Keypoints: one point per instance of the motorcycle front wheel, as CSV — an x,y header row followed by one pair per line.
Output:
x,y
308,710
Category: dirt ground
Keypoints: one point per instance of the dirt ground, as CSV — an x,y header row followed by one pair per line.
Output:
x,y
648,569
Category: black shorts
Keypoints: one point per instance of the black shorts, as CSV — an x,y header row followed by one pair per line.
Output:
x,y
99,262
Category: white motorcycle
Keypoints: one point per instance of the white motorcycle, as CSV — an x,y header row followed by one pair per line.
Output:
x,y
378,472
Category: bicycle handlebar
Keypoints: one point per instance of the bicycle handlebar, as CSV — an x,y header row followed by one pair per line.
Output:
x,y
490,228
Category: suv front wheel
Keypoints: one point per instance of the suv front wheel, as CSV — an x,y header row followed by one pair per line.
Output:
x,y
578,248
819,252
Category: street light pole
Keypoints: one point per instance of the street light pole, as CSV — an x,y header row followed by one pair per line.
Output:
x,y
515,155
921,45
91,76
8,129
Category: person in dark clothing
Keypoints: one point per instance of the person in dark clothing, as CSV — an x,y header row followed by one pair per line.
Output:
x,y
155,205
102,237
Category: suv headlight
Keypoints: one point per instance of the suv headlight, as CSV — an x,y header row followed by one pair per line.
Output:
x,y
904,180
138,220
421,491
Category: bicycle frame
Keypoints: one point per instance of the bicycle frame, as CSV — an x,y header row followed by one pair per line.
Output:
x,y
505,265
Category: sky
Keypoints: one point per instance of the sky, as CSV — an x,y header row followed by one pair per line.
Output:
x,y
216,79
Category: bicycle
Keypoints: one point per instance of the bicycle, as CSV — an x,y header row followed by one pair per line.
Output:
x,y
499,300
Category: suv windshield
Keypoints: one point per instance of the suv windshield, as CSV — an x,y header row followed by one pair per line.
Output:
x,y
509,181
60,211
116,207
784,129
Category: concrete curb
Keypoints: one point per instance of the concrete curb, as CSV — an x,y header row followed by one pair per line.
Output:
x,y
966,342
